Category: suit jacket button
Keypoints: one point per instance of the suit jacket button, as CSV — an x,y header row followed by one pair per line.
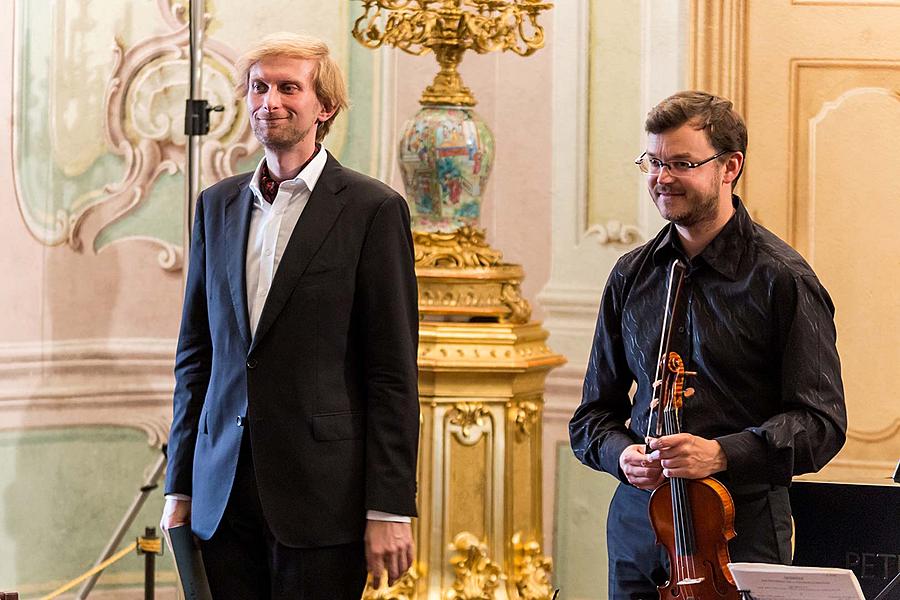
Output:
x,y
240,421
251,364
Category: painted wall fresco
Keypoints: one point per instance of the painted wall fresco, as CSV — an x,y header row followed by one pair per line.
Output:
x,y
99,148
62,494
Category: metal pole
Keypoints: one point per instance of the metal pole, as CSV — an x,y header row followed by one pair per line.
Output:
x,y
192,168
149,566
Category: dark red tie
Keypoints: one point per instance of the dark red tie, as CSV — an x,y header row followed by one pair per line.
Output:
x,y
267,185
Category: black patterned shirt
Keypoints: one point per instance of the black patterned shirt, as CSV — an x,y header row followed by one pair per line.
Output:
x,y
758,328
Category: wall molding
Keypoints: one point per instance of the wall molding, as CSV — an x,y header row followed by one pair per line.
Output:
x,y
717,52
119,382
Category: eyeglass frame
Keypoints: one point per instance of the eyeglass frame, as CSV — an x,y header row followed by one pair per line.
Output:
x,y
690,165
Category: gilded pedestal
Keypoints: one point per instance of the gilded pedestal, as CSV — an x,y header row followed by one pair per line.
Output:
x,y
482,366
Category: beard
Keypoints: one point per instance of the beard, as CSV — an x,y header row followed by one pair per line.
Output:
x,y
689,207
284,136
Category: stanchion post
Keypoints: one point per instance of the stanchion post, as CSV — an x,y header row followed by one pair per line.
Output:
x,y
150,545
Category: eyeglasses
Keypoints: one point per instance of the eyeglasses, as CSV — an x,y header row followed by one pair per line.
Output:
x,y
677,168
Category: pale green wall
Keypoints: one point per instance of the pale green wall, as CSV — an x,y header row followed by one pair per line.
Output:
x,y
614,101
62,494
582,499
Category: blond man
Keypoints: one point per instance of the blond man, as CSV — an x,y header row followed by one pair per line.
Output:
x,y
292,452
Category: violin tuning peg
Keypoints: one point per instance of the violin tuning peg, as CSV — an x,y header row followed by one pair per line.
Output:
x,y
688,392
690,373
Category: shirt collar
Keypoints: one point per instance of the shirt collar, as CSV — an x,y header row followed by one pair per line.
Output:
x,y
307,177
724,253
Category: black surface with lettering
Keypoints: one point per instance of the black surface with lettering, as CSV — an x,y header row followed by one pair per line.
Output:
x,y
849,526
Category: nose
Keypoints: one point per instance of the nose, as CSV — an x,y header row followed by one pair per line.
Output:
x,y
664,175
271,99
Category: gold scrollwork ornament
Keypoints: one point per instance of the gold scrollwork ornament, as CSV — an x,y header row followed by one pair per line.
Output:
x,y
468,416
449,28
531,570
403,589
477,576
526,415
464,248
519,308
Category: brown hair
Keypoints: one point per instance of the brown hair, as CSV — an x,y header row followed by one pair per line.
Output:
x,y
328,80
715,116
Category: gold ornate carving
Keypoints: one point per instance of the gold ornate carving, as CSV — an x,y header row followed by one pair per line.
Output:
x,y
460,274
465,247
531,570
449,28
519,308
403,589
469,416
477,576
526,417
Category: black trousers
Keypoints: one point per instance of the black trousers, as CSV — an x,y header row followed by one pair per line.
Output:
x,y
244,560
637,565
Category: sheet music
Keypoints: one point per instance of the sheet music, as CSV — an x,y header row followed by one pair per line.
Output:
x,y
780,582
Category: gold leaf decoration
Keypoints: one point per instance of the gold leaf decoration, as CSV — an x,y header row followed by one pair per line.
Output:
x,y
531,570
464,248
403,589
525,418
468,416
477,576
449,28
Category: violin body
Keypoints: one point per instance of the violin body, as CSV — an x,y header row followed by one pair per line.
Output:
x,y
699,559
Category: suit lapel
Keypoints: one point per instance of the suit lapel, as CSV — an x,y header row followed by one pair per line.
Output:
x,y
316,221
237,227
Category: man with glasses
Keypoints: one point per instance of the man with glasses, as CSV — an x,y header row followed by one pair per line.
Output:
x,y
755,325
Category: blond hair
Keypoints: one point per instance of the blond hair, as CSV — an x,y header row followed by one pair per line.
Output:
x,y
328,80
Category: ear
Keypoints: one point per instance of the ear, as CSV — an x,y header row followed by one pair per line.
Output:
x,y
324,114
733,167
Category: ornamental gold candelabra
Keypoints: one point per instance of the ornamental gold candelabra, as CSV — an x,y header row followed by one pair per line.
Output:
x,y
449,28
482,360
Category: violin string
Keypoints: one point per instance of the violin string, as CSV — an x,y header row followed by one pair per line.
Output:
x,y
685,567
675,486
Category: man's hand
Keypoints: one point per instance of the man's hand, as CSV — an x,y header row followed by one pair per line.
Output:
x,y
175,512
389,547
640,469
688,456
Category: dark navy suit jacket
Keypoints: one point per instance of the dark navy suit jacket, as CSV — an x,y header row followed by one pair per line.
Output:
x,y
327,387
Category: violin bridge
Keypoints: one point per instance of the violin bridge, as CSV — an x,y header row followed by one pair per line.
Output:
x,y
691,581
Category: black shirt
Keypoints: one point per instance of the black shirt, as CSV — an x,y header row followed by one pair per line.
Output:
x,y
758,328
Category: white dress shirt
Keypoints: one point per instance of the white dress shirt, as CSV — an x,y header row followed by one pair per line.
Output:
x,y
271,226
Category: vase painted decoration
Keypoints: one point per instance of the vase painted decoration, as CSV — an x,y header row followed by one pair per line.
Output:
x,y
445,156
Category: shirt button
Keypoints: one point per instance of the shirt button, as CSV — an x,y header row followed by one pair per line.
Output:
x,y
240,421
681,330
251,364
268,253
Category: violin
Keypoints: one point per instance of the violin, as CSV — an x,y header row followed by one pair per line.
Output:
x,y
692,518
